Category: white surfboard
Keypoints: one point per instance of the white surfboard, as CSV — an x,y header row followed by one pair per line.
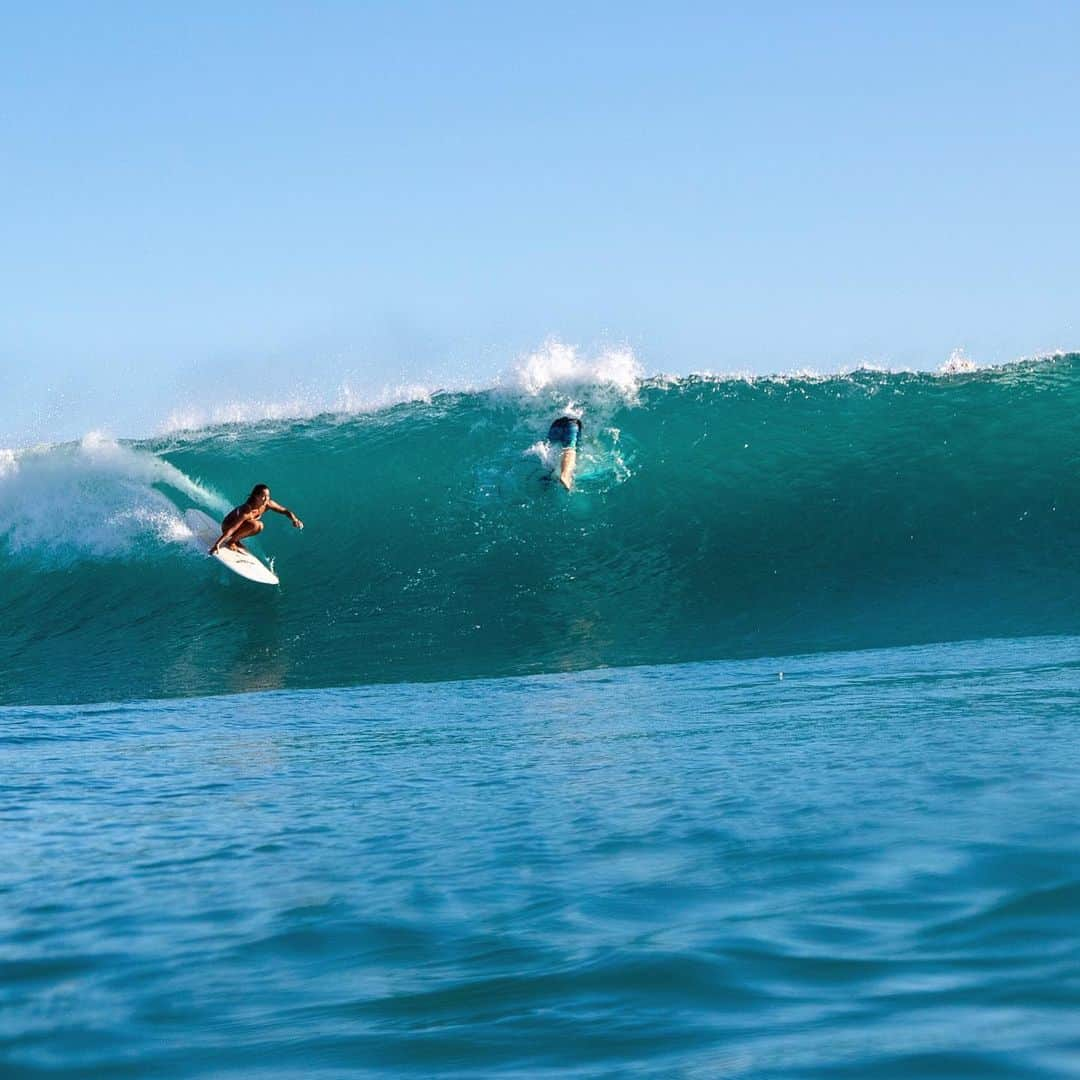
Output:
x,y
206,530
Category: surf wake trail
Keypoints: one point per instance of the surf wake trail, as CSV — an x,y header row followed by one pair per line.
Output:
x,y
713,517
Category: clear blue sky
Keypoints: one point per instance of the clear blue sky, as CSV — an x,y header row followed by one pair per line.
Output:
x,y
207,194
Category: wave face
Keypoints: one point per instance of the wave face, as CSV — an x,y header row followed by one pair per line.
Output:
x,y
713,518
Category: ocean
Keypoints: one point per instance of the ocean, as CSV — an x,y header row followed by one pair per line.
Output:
x,y
754,756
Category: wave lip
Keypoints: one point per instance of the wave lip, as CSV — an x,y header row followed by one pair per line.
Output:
x,y
554,368
555,371
560,366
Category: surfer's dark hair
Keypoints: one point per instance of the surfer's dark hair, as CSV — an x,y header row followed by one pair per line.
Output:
x,y
259,489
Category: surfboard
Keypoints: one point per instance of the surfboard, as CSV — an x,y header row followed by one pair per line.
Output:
x,y
206,530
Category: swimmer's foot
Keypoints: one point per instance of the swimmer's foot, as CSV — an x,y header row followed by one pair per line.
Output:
x,y
236,546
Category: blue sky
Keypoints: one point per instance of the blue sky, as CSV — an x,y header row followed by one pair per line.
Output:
x,y
208,201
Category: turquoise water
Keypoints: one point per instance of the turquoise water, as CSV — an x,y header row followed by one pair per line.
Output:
x,y
870,867
715,518
754,756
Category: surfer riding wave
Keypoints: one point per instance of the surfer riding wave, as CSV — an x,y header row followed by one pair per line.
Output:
x,y
243,521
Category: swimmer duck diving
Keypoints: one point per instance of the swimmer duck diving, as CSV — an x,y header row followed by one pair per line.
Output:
x,y
566,432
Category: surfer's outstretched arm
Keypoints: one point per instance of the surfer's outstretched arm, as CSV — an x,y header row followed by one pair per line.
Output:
x,y
297,523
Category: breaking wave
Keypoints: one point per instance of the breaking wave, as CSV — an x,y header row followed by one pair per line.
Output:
x,y
713,517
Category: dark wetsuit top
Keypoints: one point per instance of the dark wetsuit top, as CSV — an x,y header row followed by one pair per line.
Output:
x,y
565,431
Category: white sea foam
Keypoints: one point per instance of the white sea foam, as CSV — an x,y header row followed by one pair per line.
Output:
x,y
544,452
792,375
557,375
96,498
959,363
350,401
559,366
346,400
556,369
560,379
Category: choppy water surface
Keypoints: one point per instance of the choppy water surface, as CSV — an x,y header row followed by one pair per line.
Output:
x,y
870,867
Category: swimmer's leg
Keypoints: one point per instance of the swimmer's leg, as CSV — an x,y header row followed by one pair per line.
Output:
x,y
566,469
